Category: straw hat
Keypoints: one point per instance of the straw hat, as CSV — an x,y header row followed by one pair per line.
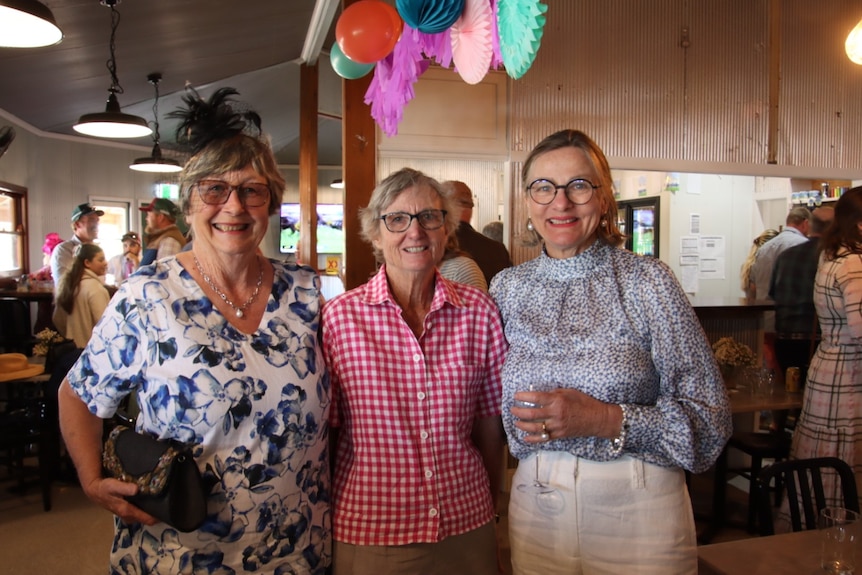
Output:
x,y
16,366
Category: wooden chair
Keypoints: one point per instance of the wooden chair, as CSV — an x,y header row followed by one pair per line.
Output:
x,y
803,483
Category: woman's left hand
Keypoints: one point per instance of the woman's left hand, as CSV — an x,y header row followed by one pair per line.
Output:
x,y
566,413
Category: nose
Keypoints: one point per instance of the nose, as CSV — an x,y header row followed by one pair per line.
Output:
x,y
234,200
561,199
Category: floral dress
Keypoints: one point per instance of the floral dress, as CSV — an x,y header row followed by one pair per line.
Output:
x,y
254,407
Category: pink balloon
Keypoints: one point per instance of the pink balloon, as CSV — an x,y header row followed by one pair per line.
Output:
x,y
368,30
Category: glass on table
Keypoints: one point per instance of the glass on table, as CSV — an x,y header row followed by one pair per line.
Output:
x,y
840,536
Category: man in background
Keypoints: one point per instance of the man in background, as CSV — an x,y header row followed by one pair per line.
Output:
x,y
85,229
163,236
121,266
490,255
794,233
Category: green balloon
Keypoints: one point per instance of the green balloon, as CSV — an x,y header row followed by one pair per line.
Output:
x,y
345,67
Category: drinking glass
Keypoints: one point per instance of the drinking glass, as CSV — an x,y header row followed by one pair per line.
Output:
x,y
765,384
839,530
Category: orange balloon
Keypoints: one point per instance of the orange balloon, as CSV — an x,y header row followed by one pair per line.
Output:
x,y
368,30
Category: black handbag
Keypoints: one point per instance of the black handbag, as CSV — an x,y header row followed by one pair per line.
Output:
x,y
170,487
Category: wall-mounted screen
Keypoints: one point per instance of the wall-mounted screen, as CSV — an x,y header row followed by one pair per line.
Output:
x,y
330,228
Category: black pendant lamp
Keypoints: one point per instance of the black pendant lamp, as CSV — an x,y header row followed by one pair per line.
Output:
x,y
27,24
156,162
113,123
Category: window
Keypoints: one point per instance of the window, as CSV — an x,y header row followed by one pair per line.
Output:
x,y
14,259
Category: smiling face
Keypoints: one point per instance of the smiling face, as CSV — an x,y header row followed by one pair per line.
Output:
x,y
87,228
566,228
417,250
98,265
231,228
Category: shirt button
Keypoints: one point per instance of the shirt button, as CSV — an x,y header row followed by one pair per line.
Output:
x,y
417,357
421,395
424,435
429,474
432,512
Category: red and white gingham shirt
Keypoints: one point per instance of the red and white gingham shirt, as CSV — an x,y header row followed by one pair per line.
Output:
x,y
406,470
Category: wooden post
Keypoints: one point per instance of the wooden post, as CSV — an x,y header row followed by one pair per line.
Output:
x,y
308,88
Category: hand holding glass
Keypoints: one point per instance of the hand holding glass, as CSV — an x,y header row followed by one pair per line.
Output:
x,y
548,498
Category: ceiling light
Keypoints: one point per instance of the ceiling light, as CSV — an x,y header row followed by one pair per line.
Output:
x,y
156,163
112,123
337,184
27,24
853,44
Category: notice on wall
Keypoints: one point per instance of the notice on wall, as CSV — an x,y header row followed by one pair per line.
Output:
x,y
711,250
694,223
689,278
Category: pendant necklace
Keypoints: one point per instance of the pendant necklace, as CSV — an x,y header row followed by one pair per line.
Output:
x,y
239,311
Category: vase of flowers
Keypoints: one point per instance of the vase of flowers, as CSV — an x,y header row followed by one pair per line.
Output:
x,y
732,358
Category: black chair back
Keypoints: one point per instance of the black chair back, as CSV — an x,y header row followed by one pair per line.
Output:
x,y
16,333
803,482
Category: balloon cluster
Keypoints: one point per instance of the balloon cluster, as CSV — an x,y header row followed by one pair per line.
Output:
x,y
399,42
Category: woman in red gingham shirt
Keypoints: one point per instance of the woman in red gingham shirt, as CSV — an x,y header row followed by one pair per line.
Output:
x,y
415,363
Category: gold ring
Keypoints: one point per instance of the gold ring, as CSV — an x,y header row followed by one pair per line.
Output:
x,y
544,428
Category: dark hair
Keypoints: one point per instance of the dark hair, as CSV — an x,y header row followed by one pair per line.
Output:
x,y
223,139
844,231
72,278
609,233
388,190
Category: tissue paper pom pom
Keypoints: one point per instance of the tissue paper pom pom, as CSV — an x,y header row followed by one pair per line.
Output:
x,y
430,16
471,41
520,25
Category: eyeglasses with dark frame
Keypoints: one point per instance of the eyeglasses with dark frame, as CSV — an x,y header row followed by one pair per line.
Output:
x,y
398,222
217,192
579,191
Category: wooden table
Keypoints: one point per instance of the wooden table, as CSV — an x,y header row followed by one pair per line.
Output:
x,y
785,554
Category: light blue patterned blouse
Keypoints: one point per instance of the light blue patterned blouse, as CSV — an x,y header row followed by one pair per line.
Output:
x,y
254,406
618,327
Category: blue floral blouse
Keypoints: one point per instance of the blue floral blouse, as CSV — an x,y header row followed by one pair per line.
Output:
x,y
254,406
618,327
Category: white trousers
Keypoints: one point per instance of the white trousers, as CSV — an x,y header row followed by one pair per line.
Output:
x,y
624,516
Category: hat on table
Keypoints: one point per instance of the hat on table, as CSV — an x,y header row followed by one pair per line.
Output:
x,y
16,366
163,206
82,210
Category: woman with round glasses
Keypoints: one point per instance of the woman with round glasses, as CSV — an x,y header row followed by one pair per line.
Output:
x,y
219,347
636,395
414,362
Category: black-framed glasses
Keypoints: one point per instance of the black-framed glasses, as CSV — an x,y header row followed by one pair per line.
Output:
x,y
397,222
217,192
578,191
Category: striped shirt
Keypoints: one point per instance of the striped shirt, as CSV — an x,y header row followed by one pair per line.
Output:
x,y
406,470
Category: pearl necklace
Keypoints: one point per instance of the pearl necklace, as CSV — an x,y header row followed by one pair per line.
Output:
x,y
239,311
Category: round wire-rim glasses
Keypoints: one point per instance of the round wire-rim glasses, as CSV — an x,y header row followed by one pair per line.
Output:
x,y
398,222
579,191
217,192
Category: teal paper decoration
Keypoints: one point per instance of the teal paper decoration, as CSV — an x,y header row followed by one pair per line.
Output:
x,y
430,16
520,24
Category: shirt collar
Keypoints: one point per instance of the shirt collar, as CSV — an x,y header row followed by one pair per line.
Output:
x,y
377,291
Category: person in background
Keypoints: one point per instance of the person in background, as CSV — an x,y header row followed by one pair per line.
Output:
x,y
794,233
219,346
746,281
415,365
635,394
494,230
164,237
85,228
121,266
457,266
490,255
81,296
830,424
43,274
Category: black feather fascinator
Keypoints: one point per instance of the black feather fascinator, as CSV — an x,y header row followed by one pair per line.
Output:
x,y
219,118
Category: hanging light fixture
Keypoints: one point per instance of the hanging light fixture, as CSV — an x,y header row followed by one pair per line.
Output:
x,y
112,123
27,24
853,44
156,163
337,184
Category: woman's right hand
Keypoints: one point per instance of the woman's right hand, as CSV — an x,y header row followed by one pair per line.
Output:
x,y
111,494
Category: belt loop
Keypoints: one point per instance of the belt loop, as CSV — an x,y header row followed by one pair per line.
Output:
x,y
638,481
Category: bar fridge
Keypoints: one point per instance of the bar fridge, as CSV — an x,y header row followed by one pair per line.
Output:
x,y
639,222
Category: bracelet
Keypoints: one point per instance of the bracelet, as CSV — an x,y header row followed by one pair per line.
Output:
x,y
618,442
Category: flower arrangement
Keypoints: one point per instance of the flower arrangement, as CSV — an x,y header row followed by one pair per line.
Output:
x,y
47,337
731,353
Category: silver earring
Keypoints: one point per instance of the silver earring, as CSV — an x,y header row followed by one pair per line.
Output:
x,y
530,227
604,223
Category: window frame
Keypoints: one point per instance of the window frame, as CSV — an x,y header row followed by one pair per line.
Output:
x,y
19,196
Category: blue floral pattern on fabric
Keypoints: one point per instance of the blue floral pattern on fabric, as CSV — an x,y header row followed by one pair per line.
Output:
x,y
254,407
619,327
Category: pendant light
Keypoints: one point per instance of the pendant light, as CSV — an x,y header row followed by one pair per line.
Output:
x,y
853,44
156,163
27,24
112,123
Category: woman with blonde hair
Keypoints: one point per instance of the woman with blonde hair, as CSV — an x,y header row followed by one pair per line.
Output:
x,y
746,282
81,296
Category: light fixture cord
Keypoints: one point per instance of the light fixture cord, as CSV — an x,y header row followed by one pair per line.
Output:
x,y
156,113
112,46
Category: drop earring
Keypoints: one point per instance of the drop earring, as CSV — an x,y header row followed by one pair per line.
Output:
x,y
530,227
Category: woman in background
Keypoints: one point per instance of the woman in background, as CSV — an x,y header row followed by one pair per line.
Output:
x,y
830,424
81,296
745,280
